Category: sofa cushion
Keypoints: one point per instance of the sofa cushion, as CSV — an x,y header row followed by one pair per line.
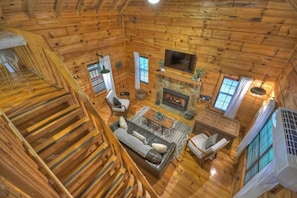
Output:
x,y
160,148
146,151
122,123
139,136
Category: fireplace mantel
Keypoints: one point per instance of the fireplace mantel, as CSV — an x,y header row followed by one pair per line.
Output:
x,y
179,76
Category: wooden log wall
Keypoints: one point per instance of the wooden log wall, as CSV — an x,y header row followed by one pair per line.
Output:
x,y
252,39
76,38
286,84
234,38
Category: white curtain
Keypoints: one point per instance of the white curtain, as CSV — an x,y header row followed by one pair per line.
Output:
x,y
243,86
136,63
263,114
263,181
108,78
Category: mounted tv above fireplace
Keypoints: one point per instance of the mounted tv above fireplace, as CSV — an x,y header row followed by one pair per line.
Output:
x,y
180,61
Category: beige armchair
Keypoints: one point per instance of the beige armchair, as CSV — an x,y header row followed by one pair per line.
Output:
x,y
205,146
117,105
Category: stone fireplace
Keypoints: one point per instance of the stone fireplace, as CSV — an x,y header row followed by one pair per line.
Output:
x,y
175,99
188,88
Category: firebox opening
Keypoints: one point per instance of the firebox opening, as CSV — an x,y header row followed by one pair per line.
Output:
x,y
175,99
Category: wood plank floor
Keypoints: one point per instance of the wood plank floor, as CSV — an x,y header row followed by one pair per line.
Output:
x,y
184,178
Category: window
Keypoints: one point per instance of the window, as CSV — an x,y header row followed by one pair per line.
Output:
x,y
143,69
96,77
259,151
226,93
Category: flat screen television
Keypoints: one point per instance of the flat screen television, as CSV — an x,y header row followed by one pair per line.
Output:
x,y
180,61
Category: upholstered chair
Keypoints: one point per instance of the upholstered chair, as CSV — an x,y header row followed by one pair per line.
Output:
x,y
205,146
117,105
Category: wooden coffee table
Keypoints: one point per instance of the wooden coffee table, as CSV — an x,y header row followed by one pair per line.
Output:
x,y
164,123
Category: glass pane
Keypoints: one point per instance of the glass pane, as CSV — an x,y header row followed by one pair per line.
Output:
x,y
225,94
143,66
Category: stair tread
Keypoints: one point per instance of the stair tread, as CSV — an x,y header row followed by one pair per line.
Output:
x,y
60,134
32,112
117,183
70,150
32,136
129,187
106,168
52,118
86,163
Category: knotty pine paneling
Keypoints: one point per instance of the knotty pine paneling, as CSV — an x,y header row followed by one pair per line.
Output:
x,y
77,39
230,40
286,85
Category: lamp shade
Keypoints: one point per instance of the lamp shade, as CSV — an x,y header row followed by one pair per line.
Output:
x,y
258,91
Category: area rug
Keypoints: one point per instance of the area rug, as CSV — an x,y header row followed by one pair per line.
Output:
x,y
179,134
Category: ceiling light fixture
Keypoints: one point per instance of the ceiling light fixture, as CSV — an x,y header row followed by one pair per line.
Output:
x,y
153,1
259,90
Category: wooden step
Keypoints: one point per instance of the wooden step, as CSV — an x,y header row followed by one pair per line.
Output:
x,y
54,150
33,113
130,187
38,99
52,118
62,158
85,164
82,187
117,184
60,135
51,127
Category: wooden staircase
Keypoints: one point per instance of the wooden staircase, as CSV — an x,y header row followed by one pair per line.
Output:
x,y
59,129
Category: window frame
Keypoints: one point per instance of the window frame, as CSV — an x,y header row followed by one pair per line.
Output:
x,y
90,64
256,163
147,70
218,87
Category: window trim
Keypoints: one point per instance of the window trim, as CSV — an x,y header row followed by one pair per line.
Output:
x,y
217,90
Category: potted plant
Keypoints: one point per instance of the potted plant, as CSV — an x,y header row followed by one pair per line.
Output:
x,y
161,64
158,115
198,74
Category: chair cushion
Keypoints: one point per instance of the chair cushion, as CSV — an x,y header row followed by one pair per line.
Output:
x,y
116,101
124,102
210,141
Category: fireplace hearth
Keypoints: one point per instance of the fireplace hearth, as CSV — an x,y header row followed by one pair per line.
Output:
x,y
175,99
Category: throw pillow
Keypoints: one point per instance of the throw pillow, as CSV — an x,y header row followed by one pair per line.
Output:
x,y
139,136
161,148
116,101
211,141
123,124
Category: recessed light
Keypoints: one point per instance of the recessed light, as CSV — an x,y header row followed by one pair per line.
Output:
x,y
153,1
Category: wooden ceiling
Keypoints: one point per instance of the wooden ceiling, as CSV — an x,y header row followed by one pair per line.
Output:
x,y
256,37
